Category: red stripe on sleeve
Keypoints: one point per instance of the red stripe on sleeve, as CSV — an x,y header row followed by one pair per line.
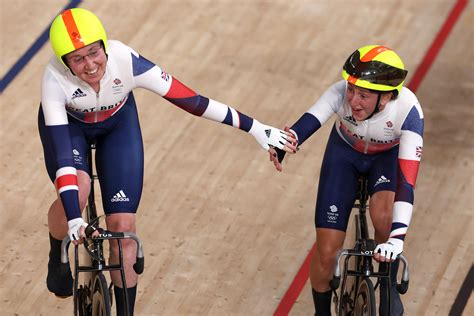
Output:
x,y
179,90
65,180
72,29
409,170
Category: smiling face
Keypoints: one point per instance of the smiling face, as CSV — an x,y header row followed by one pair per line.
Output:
x,y
363,101
88,63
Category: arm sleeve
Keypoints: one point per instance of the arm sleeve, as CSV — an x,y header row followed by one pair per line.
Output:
x,y
57,130
149,76
328,104
411,147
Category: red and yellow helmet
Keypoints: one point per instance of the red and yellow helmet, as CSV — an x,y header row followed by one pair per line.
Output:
x,y
376,68
73,29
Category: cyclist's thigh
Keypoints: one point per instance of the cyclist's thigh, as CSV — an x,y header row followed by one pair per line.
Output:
x,y
383,171
78,142
119,157
337,185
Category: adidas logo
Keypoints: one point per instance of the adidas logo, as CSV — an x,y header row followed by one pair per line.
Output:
x,y
78,94
268,132
382,179
120,197
350,119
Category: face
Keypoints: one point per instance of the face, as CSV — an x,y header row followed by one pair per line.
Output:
x,y
363,101
88,63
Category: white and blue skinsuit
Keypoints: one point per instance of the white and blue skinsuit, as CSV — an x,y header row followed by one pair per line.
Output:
x,y
387,147
72,115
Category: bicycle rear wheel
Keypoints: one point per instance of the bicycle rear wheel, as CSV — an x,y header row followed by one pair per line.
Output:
x,y
101,303
365,300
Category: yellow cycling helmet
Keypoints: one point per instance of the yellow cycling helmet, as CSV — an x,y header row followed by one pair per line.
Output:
x,y
73,29
376,68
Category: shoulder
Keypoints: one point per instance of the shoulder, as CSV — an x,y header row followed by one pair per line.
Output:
x,y
54,66
410,114
337,90
118,49
339,87
408,103
120,52
55,73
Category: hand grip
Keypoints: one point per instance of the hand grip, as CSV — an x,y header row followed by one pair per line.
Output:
x,y
64,269
139,266
334,283
402,288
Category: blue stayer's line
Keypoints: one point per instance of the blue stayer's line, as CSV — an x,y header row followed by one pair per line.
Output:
x,y
30,53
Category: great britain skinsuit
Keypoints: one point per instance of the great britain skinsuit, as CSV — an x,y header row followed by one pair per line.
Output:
x,y
372,147
73,114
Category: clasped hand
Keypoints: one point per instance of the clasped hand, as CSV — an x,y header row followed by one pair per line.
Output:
x,y
269,137
291,148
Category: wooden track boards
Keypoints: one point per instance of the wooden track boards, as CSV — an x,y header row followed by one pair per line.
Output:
x,y
223,232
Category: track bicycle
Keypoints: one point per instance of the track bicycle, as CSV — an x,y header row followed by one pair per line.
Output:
x,y
357,292
93,296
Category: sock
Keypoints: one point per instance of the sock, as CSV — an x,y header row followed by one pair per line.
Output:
x,y
322,303
119,299
55,249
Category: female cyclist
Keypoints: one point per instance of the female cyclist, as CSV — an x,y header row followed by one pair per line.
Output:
x,y
87,96
378,133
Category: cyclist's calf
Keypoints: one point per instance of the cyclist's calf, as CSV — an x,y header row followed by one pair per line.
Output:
x,y
328,243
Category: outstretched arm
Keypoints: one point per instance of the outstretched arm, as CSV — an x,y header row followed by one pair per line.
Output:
x,y
150,76
266,136
328,104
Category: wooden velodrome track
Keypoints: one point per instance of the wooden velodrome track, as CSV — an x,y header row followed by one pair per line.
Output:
x,y
224,233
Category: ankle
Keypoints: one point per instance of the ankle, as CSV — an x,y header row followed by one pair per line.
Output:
x,y
55,249
322,302
120,299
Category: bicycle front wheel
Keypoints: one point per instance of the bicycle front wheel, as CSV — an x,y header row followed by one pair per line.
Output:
x,y
100,296
365,299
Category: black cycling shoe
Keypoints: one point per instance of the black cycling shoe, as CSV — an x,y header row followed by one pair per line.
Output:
x,y
59,280
396,305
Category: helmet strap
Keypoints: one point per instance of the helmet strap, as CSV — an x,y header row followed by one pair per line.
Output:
x,y
377,105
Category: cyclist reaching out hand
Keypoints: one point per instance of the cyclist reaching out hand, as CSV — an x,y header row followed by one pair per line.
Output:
x,y
379,133
87,96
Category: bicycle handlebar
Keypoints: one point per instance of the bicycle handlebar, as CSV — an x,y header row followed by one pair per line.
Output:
x,y
402,287
139,265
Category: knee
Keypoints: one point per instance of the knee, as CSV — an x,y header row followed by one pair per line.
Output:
x,y
327,255
121,222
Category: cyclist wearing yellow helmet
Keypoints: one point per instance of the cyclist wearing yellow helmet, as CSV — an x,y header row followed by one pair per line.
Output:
x,y
378,133
87,96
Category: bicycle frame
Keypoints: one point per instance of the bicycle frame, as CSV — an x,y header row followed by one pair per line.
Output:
x,y
95,262
363,252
